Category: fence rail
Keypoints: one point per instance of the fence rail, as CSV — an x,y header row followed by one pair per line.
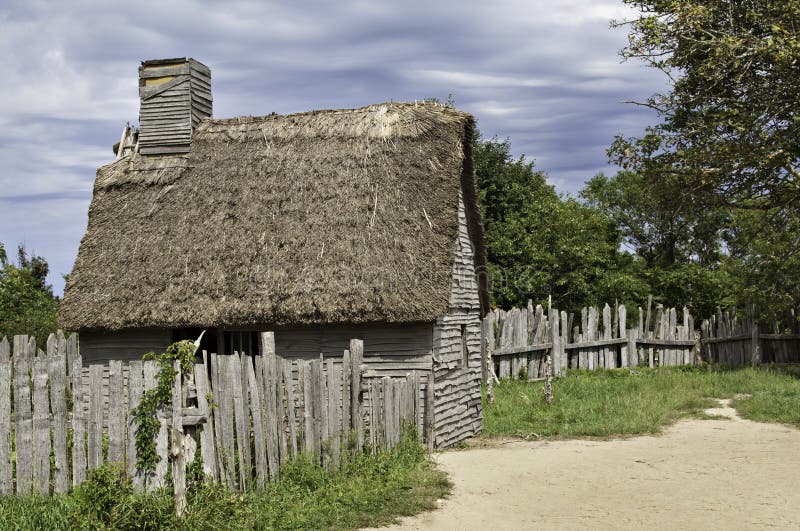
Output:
x,y
520,338
244,416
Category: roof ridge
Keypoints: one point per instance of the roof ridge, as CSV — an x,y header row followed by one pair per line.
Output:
x,y
421,104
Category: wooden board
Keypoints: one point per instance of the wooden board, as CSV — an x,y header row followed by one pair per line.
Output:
x,y
356,355
256,410
23,429
242,422
334,374
79,405
5,418
95,426
275,420
41,427
207,447
290,408
224,423
116,414
57,369
135,391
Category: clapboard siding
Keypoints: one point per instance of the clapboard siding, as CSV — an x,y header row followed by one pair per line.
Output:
x,y
403,341
457,405
122,345
464,288
171,109
389,350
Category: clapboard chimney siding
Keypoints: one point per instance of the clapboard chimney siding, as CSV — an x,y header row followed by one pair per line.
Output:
x,y
175,95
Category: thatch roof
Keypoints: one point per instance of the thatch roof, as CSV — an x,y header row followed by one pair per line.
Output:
x,y
318,217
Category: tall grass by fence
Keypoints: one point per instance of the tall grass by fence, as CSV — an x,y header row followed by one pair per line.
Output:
x,y
519,339
735,339
243,416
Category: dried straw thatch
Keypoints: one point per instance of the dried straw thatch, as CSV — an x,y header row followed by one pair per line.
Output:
x,y
319,217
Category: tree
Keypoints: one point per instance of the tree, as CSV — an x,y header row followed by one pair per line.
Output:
x,y
727,137
541,244
729,128
764,247
655,226
678,249
27,304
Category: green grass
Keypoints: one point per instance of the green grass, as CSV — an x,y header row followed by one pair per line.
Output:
x,y
621,402
364,491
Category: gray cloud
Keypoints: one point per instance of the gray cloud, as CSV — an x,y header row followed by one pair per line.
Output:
x,y
544,74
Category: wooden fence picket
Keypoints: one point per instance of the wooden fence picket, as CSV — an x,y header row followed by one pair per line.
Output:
x,y
388,406
41,427
304,376
373,441
116,414
95,424
280,386
356,358
79,406
176,442
256,410
347,368
236,428
334,410
207,447
244,360
273,423
290,408
23,436
135,391
158,478
5,418
56,367
316,405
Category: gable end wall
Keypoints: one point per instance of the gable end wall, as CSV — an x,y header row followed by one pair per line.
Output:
x,y
457,400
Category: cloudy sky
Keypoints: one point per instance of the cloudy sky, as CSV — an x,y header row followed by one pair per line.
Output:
x,y
545,74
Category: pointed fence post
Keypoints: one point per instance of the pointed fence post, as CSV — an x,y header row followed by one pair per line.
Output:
x,y
622,314
429,411
5,417
177,450
555,338
356,357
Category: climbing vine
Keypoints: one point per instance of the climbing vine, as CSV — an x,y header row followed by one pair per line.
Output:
x,y
145,414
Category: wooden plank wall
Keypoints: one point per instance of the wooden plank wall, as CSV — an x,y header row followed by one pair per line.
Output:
x,y
735,338
174,99
268,409
600,338
126,345
458,411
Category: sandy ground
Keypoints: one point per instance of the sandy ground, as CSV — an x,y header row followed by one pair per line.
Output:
x,y
700,474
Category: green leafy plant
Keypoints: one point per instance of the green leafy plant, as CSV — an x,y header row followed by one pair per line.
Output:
x,y
97,497
145,414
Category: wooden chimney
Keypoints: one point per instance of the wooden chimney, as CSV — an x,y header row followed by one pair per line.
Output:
x,y
175,96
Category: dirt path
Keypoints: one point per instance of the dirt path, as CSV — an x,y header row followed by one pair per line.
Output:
x,y
700,474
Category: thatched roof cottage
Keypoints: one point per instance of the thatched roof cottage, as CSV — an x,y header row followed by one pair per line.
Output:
x,y
321,226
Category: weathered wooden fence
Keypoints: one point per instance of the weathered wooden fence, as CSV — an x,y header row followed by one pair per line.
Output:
x,y
731,338
245,415
519,339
